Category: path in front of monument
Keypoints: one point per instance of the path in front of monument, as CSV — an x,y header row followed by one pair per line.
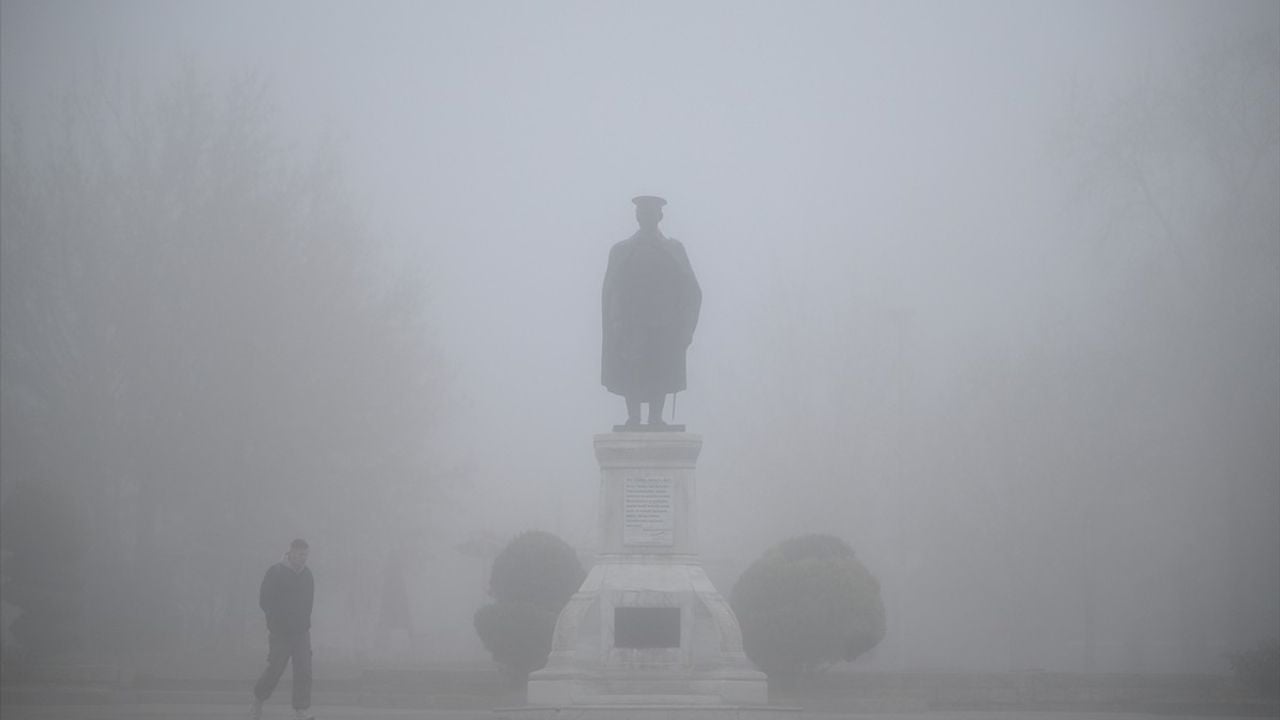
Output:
x,y
151,711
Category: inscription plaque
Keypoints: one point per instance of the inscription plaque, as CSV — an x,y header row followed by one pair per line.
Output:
x,y
646,627
647,515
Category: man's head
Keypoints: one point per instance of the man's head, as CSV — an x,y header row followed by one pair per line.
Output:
x,y
297,556
648,211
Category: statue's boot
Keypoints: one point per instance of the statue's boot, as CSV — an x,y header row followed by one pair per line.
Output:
x,y
633,412
655,410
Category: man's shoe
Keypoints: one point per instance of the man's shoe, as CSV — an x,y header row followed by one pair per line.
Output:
x,y
303,714
257,709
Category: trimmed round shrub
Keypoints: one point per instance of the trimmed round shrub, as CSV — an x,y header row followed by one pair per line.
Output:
x,y
532,579
536,567
518,635
806,604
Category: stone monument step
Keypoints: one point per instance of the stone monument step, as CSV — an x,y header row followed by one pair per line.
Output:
x,y
647,711
655,698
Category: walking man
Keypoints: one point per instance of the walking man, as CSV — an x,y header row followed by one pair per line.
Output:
x,y
287,594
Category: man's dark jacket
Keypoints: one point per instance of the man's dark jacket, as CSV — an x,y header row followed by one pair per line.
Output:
x,y
286,597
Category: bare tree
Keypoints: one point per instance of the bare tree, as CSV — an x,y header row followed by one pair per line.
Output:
x,y
1175,185
198,341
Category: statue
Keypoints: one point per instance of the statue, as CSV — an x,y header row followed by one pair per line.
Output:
x,y
650,308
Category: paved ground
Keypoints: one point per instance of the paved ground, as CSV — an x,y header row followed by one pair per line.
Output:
x,y
151,711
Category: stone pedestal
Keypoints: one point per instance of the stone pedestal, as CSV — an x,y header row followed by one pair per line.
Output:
x,y
647,635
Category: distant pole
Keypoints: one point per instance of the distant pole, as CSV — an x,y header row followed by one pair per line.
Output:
x,y
900,392
902,504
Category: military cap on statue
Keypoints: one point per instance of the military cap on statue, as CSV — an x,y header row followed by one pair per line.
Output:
x,y
652,201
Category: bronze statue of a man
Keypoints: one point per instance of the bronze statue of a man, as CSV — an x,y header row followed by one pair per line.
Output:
x,y
651,301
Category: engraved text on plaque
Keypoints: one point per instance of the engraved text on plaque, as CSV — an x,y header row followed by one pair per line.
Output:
x,y
647,511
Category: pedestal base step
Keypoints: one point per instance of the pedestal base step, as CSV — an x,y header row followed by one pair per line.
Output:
x,y
650,711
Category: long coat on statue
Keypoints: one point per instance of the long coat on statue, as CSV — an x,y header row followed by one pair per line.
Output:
x,y
651,301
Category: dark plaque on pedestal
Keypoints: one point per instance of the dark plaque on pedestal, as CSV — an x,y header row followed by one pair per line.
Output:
x,y
646,627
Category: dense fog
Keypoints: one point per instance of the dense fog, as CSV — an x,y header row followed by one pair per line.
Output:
x,y
991,291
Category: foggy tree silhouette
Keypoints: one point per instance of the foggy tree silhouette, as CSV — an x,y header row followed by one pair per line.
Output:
x,y
44,543
1174,184
200,347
